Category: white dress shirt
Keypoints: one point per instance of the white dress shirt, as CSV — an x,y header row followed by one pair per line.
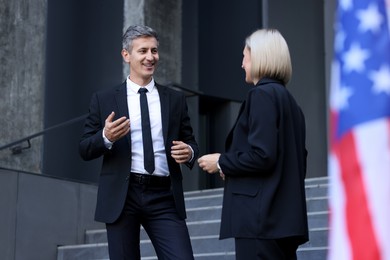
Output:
x,y
137,156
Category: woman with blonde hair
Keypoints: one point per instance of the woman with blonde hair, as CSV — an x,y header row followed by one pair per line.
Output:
x,y
264,165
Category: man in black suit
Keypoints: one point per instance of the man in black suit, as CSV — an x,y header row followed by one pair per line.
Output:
x,y
133,191
264,165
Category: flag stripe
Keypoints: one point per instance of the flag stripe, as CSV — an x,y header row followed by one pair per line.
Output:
x,y
359,224
371,138
339,246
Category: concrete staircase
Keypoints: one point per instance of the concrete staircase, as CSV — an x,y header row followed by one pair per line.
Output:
x,y
204,211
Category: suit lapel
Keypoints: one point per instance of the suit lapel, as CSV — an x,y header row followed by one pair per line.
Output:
x,y
121,101
164,103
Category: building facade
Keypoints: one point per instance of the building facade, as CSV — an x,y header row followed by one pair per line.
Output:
x,y
55,54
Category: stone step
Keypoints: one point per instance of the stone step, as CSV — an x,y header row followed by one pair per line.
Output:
x,y
212,227
316,190
214,209
198,193
196,229
318,219
316,204
318,236
317,180
312,253
205,247
201,201
321,182
204,213
210,198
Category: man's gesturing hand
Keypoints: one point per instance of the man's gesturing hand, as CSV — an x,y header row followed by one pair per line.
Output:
x,y
181,152
114,130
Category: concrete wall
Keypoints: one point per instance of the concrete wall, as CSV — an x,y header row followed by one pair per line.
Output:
x,y
22,74
38,213
305,34
84,40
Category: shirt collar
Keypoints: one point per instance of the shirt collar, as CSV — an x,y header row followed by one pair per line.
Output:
x,y
135,87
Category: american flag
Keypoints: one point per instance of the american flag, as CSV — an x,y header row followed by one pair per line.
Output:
x,y
359,156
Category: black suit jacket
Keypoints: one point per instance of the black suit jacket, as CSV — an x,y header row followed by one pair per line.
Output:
x,y
114,175
265,167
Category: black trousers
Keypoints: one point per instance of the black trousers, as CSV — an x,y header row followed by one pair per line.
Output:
x,y
153,207
265,249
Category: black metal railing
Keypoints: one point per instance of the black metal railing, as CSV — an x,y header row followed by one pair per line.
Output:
x,y
17,147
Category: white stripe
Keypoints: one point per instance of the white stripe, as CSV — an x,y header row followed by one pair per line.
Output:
x,y
373,152
339,246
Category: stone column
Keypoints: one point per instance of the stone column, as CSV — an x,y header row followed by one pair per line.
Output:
x,y
133,13
22,57
165,18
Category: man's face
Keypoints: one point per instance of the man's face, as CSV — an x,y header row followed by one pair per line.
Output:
x,y
142,59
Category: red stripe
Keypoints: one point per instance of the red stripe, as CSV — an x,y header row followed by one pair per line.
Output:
x,y
333,126
359,225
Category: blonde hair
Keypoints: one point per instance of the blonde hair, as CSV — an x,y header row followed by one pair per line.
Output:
x,y
270,56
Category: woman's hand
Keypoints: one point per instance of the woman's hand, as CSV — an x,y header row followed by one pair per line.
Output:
x,y
209,162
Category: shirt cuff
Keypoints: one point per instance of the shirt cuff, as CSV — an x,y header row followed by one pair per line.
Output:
x,y
107,142
219,167
192,153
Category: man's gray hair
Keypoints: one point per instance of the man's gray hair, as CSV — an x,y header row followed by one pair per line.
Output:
x,y
134,32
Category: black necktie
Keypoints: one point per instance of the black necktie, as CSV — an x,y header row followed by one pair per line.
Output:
x,y
146,132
